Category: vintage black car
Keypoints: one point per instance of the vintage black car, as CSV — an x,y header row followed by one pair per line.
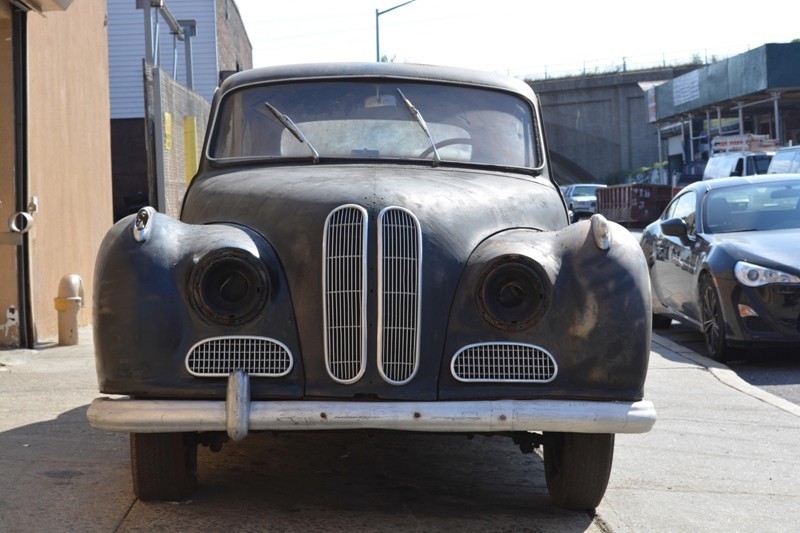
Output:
x,y
372,246
724,259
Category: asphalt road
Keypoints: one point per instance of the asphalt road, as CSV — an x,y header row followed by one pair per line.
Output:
x,y
775,371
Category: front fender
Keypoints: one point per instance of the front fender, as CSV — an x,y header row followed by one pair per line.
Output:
x,y
598,317
146,311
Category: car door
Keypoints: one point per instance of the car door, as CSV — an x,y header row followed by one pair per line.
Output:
x,y
675,262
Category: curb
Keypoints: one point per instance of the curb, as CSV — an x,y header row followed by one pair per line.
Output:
x,y
725,375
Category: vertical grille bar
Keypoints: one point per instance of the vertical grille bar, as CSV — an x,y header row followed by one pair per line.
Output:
x,y
399,282
344,285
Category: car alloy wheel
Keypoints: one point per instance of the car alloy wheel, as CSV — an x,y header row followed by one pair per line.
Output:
x,y
713,323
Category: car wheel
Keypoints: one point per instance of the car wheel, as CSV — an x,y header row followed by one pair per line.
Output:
x,y
661,321
713,323
577,467
163,465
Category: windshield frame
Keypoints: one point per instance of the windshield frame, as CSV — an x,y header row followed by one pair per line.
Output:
x,y
530,120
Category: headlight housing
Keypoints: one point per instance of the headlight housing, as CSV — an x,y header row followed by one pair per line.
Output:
x,y
756,275
513,293
229,286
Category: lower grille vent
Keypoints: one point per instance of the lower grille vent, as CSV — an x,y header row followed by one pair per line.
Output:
x,y
504,362
258,356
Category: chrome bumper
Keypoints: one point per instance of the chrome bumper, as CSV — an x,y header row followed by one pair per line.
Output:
x,y
238,415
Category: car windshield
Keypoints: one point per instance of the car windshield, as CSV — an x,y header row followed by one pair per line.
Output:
x,y
584,190
369,119
753,207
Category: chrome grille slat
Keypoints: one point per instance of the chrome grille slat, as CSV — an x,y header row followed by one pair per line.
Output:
x,y
399,278
344,292
258,356
504,362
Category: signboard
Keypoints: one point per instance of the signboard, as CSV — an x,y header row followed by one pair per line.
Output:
x,y
686,88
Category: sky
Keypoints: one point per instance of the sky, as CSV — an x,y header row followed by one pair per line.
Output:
x,y
521,38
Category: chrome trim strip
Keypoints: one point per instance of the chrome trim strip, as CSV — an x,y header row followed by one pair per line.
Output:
x,y
491,356
344,292
399,294
160,416
243,351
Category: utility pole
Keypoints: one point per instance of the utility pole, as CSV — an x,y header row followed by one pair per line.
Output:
x,y
378,28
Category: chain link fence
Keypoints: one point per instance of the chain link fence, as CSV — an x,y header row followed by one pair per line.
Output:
x,y
176,120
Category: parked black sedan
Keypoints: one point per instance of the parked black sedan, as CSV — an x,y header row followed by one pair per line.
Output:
x,y
724,258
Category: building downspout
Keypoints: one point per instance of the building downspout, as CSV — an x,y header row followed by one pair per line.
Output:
x,y
27,329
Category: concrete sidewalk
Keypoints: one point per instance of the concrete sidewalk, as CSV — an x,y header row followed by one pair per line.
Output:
x,y
723,455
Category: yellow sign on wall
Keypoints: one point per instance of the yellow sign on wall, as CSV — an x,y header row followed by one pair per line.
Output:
x,y
167,131
190,159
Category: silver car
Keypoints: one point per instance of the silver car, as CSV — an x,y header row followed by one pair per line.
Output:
x,y
582,199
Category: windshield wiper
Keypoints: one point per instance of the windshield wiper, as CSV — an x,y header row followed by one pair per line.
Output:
x,y
414,112
293,129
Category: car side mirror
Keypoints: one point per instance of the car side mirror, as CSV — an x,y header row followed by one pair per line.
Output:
x,y
674,227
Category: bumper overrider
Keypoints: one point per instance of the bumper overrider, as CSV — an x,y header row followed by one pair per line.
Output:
x,y
238,415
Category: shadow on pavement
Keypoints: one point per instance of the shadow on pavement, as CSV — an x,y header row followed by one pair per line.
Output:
x,y
62,475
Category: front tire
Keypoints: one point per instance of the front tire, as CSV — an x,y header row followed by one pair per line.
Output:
x,y
713,322
163,465
577,467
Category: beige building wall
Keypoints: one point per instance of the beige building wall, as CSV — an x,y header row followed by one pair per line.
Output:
x,y
69,153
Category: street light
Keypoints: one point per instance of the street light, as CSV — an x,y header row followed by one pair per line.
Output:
x,y
378,28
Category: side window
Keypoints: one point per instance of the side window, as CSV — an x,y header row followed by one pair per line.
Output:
x,y
685,207
761,164
738,170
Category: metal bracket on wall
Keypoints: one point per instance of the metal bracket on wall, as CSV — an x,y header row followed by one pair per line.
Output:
x,y
19,223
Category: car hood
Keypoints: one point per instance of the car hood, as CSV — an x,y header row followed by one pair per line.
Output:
x,y
765,248
451,205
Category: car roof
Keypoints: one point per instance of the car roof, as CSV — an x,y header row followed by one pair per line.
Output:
x,y
722,183
738,154
405,71
789,148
